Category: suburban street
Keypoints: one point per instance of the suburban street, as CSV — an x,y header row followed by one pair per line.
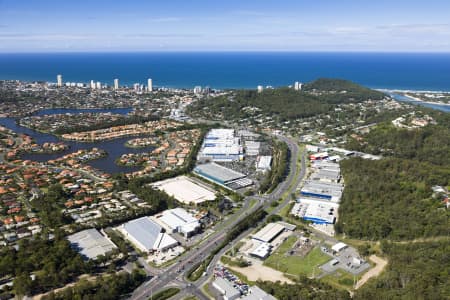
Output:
x,y
175,275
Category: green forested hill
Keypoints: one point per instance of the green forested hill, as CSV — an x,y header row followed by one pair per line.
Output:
x,y
342,91
285,103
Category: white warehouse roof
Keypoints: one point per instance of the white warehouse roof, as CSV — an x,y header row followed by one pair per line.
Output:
x,y
179,219
339,247
263,162
185,190
221,145
220,133
262,250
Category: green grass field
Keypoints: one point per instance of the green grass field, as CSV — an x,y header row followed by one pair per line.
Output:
x,y
296,265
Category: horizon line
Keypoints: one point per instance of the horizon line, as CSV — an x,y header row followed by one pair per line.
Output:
x,y
222,51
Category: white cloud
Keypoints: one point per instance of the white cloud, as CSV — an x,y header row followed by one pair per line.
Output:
x,y
392,37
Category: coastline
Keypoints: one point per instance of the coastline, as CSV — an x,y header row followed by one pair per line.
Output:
x,y
410,91
238,70
405,93
424,101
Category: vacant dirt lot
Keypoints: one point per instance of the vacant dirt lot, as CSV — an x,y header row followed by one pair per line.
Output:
x,y
374,272
258,271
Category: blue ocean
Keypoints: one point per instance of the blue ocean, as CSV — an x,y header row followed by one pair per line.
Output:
x,y
234,69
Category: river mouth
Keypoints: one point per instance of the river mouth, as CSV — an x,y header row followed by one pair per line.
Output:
x,y
114,148
402,98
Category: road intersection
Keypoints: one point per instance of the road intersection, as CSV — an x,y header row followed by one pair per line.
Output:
x,y
175,275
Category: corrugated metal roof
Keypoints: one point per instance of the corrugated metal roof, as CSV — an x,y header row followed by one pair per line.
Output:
x,y
178,217
218,172
90,243
143,230
268,232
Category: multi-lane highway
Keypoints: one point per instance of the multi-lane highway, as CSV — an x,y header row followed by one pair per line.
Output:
x,y
175,274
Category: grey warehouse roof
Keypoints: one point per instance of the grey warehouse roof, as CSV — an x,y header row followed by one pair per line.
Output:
x,y
219,172
90,243
144,230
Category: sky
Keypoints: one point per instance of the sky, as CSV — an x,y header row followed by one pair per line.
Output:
x,y
230,25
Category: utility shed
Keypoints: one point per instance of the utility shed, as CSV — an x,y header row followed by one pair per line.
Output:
x,y
339,247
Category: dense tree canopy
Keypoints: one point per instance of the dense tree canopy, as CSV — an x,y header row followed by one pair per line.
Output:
x,y
391,198
53,262
285,104
430,144
342,91
415,271
279,168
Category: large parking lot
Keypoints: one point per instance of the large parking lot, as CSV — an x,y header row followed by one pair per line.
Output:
x,y
221,271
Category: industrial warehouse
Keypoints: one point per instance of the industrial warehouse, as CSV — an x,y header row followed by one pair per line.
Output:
x,y
185,190
325,171
179,220
269,237
147,235
320,194
316,211
90,243
269,232
252,148
322,190
221,145
222,176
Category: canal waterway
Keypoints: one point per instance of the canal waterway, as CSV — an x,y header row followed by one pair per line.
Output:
x,y
115,148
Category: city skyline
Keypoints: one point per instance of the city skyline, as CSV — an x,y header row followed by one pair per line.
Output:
x,y
98,26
